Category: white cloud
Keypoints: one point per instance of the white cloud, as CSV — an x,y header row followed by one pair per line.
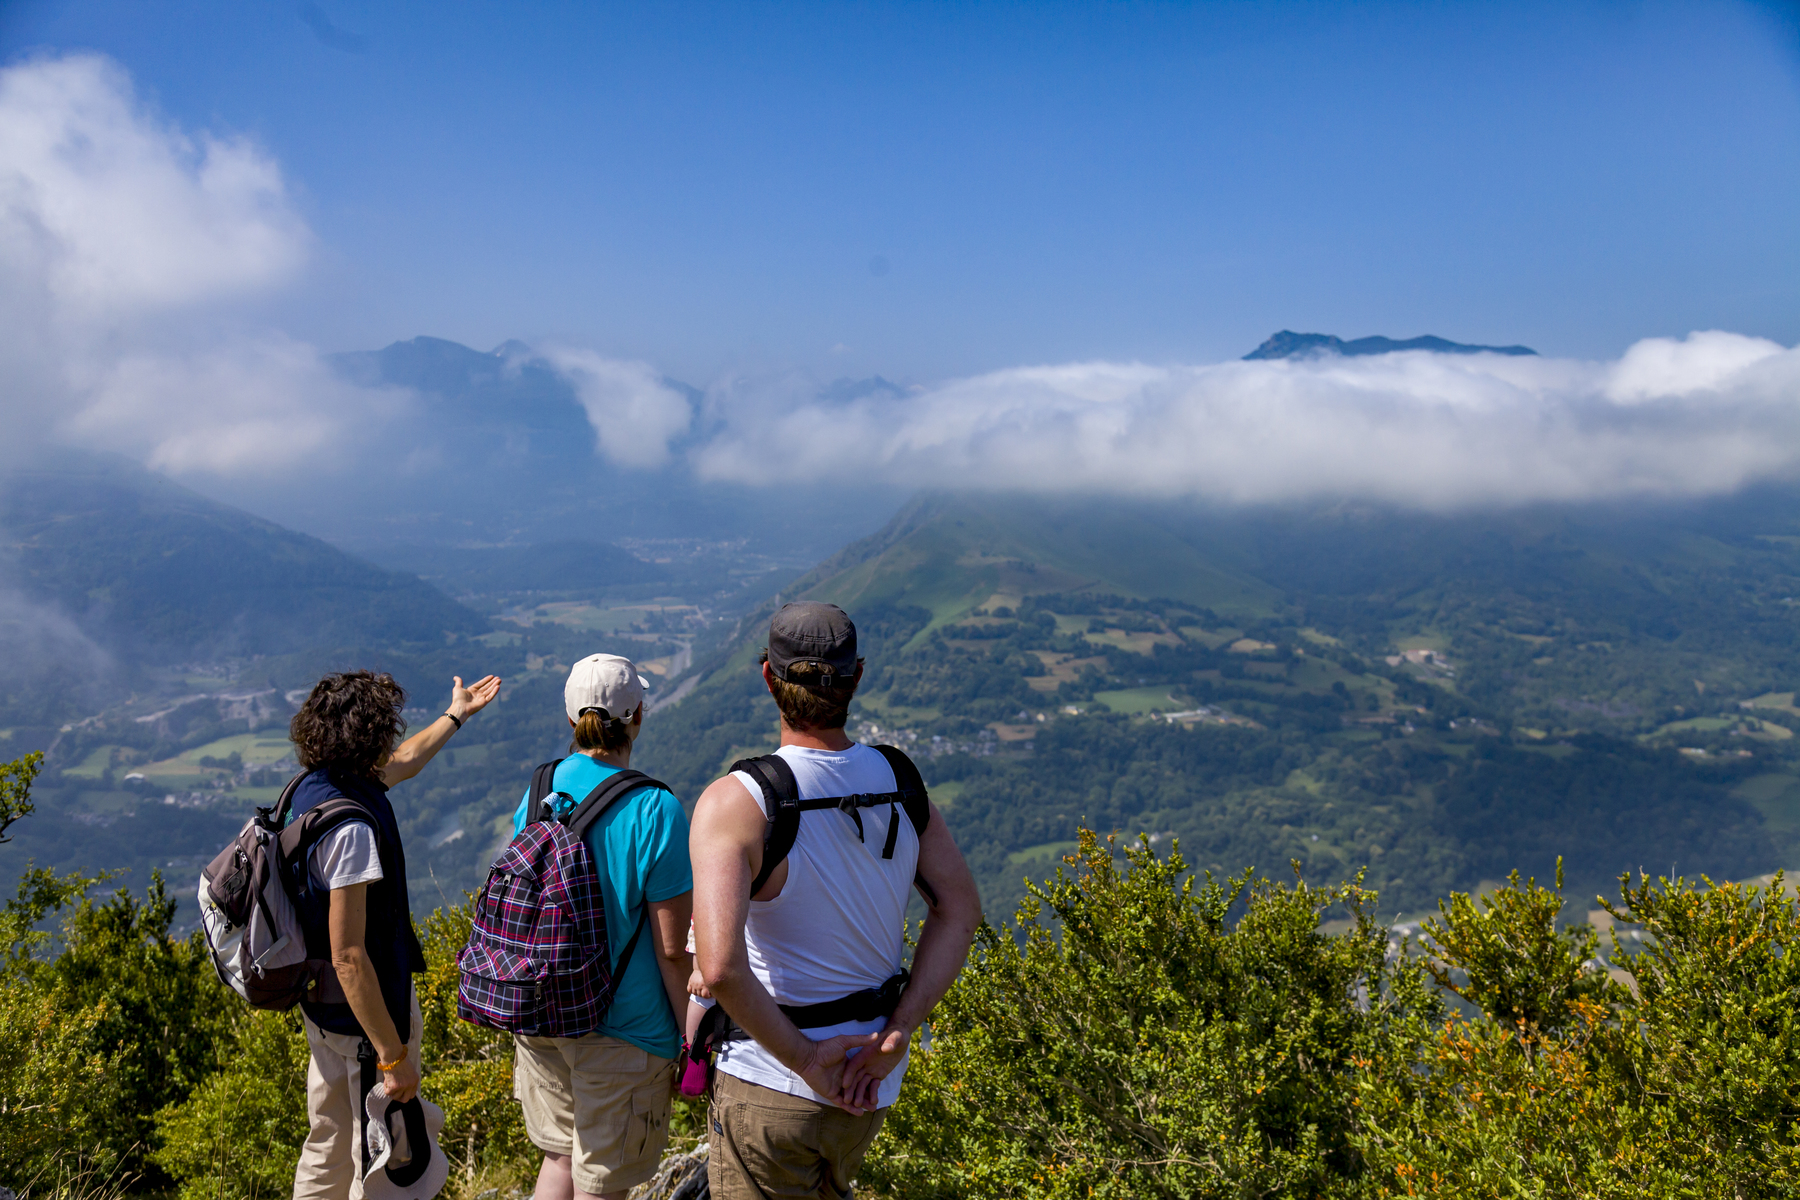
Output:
x,y
1703,415
127,243
1703,362
116,212
122,239
283,406
635,414
37,639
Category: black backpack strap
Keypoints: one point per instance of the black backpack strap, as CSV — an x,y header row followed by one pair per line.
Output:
x,y
623,962
276,818
579,819
911,785
543,782
917,802
609,791
781,795
869,1004
324,818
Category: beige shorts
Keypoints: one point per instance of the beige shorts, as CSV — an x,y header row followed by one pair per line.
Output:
x,y
768,1144
601,1101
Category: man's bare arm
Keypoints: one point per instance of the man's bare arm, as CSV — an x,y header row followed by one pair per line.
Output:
x,y
943,949
949,927
726,849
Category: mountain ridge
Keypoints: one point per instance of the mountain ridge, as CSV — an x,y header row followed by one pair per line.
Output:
x,y
1288,344
150,572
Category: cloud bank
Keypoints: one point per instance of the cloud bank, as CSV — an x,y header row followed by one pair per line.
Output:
x,y
1702,415
123,240
129,247
636,415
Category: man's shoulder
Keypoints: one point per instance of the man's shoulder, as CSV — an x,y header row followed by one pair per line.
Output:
x,y
726,803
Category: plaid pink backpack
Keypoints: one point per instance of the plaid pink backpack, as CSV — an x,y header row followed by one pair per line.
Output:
x,y
538,960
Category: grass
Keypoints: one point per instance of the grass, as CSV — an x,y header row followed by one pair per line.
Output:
x,y
1142,642
1138,701
94,765
1555,750
256,749
1061,667
1776,796
945,794
1750,727
1043,850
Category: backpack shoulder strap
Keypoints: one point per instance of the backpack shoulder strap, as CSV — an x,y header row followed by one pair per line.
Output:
x,y
917,802
608,792
781,796
277,816
315,823
911,786
543,782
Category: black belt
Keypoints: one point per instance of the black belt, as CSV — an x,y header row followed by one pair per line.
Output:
x,y
870,1004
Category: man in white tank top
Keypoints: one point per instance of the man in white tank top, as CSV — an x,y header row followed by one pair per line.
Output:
x,y
795,1109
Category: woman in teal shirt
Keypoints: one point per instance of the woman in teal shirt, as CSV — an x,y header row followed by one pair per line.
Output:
x,y
598,1105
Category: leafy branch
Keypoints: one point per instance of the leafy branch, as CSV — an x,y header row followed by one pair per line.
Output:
x,y
15,790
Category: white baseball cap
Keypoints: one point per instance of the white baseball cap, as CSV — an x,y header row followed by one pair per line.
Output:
x,y
604,681
405,1160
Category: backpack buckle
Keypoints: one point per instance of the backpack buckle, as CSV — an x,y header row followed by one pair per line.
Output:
x,y
848,805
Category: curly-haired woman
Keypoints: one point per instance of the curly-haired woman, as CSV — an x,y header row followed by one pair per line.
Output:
x,y
354,907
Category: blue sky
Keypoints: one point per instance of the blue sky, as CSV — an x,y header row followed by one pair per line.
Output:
x,y
928,191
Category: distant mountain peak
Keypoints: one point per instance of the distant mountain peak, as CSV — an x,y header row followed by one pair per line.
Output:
x,y
1288,344
842,391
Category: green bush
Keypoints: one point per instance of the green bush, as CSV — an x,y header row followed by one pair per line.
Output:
x,y
470,1068
1140,1032
238,1134
1686,1085
1155,1049
123,1021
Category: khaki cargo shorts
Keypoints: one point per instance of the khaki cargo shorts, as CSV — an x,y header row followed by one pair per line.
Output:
x,y
601,1101
768,1144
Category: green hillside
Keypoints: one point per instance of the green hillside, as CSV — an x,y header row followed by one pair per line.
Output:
x,y
1433,699
950,555
153,571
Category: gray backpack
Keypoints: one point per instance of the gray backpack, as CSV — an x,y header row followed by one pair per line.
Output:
x,y
251,925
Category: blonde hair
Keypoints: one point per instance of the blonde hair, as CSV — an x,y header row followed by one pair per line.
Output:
x,y
596,729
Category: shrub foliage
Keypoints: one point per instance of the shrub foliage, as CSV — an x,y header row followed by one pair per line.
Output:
x,y
1137,1031
1155,1048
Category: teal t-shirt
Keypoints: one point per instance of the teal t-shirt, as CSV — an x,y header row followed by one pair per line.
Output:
x,y
641,849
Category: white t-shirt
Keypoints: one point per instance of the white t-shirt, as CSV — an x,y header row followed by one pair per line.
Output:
x,y
838,925
345,857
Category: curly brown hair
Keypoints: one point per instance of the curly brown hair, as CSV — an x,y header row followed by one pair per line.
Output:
x,y
351,719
